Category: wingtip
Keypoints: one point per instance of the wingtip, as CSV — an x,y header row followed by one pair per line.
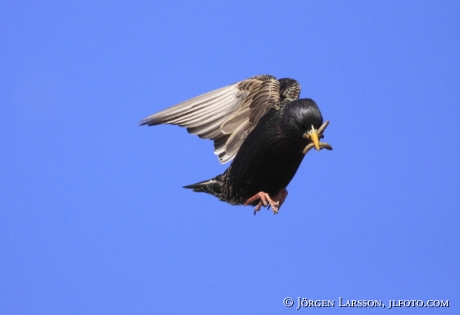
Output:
x,y
144,122
149,121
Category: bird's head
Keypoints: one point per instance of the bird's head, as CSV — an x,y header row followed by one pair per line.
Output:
x,y
306,118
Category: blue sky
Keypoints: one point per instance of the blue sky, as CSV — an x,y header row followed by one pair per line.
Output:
x,y
94,220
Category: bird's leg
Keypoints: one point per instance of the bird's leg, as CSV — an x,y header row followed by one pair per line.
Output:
x,y
264,200
280,197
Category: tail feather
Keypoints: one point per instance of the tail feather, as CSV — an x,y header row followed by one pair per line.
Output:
x,y
210,186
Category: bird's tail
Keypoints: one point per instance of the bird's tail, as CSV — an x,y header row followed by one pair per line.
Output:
x,y
210,186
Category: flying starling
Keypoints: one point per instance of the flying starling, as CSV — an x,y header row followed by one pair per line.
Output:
x,y
259,123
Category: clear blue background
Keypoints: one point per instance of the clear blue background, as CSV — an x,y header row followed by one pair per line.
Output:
x,y
94,220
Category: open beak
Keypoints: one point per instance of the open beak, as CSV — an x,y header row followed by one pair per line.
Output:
x,y
314,135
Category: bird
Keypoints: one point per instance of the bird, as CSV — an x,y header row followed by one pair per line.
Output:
x,y
259,124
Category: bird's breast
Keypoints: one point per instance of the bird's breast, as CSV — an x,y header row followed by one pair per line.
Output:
x,y
267,162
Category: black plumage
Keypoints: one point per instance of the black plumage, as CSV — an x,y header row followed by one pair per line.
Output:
x,y
261,123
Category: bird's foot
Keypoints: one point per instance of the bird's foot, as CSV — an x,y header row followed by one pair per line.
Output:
x,y
314,135
280,197
265,200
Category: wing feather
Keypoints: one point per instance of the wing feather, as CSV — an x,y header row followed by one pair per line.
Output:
x,y
226,115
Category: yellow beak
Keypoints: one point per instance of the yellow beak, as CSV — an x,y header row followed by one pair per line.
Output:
x,y
314,136
315,139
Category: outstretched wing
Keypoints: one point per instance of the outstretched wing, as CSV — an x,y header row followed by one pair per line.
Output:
x,y
226,115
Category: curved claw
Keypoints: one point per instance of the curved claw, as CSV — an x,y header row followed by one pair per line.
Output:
x,y
274,202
